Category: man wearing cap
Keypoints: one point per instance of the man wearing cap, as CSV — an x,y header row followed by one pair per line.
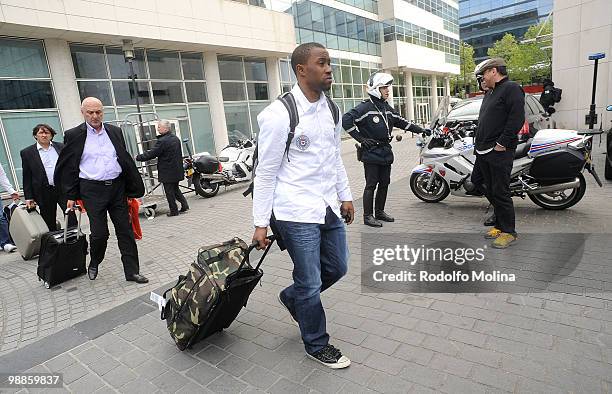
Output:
x,y
371,124
501,116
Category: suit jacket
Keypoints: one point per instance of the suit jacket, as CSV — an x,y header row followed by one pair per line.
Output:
x,y
169,155
67,168
35,180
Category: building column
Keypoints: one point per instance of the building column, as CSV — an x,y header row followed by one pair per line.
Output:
x,y
434,94
274,82
409,96
447,91
215,101
67,96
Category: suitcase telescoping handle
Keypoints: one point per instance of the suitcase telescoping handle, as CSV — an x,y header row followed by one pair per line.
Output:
x,y
263,256
77,207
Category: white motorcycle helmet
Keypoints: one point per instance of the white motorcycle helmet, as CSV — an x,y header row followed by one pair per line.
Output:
x,y
376,81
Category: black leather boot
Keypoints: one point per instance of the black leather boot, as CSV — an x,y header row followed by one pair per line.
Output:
x,y
369,220
382,215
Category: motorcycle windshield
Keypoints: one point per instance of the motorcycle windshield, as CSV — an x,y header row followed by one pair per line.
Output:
x,y
439,118
236,136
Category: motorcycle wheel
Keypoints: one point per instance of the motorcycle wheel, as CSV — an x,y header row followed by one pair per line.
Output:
x,y
418,185
205,188
557,201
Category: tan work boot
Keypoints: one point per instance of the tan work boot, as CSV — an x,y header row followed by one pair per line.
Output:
x,y
493,233
504,240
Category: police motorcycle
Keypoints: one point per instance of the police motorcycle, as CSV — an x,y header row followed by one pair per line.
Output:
x,y
233,165
547,168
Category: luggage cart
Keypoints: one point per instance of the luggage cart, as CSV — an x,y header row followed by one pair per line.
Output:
x,y
139,132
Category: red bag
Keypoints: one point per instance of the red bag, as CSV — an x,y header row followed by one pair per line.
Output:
x,y
133,208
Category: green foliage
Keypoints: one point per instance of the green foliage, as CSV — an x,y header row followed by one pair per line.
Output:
x,y
465,79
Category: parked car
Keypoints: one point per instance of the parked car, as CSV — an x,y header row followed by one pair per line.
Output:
x,y
536,117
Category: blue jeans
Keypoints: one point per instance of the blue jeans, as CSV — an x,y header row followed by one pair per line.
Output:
x,y
320,258
4,231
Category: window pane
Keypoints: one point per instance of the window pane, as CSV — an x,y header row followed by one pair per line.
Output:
x,y
255,110
167,92
230,68
164,65
196,92
26,94
120,69
255,70
99,89
193,66
233,91
21,59
88,61
124,93
201,128
237,117
257,91
285,69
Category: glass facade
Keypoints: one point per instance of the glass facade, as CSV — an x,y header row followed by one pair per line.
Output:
x,y
422,96
448,13
350,77
482,22
244,85
26,99
397,29
170,83
336,29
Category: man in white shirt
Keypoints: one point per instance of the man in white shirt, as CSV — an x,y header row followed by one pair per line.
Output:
x,y
307,193
38,162
5,240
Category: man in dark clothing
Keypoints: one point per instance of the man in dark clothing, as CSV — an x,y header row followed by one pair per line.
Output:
x,y
96,167
38,161
501,116
170,171
371,124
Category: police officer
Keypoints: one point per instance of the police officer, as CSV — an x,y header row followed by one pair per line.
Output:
x,y
371,124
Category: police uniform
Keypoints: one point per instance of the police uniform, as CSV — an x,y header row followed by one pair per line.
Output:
x,y
371,124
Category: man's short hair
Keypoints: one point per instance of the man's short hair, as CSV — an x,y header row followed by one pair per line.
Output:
x,y
43,125
301,53
166,123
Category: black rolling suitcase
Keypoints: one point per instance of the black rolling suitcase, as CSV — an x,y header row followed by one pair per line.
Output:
x,y
213,292
62,254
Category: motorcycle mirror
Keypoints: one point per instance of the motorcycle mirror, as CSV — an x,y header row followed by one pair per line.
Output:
x,y
609,108
398,137
551,110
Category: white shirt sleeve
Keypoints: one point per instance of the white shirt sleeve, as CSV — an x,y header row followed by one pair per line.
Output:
x,y
273,131
342,183
4,182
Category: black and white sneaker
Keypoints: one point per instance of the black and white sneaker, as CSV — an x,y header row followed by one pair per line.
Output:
x,y
293,319
331,357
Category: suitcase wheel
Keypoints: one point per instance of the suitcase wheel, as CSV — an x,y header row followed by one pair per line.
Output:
x,y
149,213
47,286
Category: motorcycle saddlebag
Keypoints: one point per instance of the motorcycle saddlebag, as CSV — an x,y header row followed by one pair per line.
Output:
x,y
206,164
557,166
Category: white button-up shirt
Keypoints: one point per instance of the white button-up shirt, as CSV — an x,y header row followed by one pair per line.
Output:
x,y
99,159
49,159
299,189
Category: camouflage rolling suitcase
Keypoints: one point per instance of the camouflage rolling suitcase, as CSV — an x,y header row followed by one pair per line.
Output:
x,y
213,292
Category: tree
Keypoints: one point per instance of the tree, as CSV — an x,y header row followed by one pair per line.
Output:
x,y
529,60
465,82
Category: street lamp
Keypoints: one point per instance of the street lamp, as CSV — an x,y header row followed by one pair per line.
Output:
x,y
129,56
592,117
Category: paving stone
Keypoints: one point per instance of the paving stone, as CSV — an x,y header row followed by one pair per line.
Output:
x,y
103,365
119,376
140,386
204,373
212,354
226,384
294,370
73,372
86,384
134,358
60,362
259,377
323,382
266,358
284,386
169,381
182,362
235,366
384,383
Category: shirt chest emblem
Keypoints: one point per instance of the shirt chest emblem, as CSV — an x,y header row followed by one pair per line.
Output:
x,y
302,142
375,119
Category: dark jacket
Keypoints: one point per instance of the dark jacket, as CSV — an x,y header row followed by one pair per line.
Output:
x,y
502,115
169,155
67,168
35,182
375,119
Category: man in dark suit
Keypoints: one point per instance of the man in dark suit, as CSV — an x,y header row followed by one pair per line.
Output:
x,y
38,162
96,167
170,170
